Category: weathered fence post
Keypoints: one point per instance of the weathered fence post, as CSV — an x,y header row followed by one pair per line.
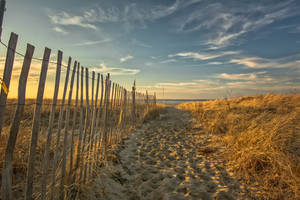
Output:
x,y
111,113
87,163
86,126
51,121
99,116
2,10
79,150
36,125
107,91
91,166
60,120
73,126
9,62
133,102
65,144
14,129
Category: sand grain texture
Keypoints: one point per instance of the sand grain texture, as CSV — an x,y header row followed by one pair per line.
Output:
x,y
167,158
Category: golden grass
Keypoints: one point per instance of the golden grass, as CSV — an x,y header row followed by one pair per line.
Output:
x,y
262,139
21,151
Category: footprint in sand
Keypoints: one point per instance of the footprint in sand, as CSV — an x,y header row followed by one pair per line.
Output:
x,y
164,161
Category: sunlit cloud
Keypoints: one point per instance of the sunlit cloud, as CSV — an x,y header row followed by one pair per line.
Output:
x,y
246,76
215,63
258,62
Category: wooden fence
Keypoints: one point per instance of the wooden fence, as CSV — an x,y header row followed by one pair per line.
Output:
x,y
83,124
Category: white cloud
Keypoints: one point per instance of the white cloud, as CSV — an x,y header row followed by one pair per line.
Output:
x,y
215,63
126,58
88,43
203,56
225,23
246,76
60,30
258,62
66,19
115,70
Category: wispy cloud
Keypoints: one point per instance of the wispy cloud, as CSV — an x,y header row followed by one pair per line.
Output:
x,y
258,62
66,19
129,16
227,22
60,30
126,58
115,70
203,56
89,43
215,63
246,76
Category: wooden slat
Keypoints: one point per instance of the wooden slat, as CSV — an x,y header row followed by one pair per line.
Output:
x,y
60,120
111,111
9,62
79,149
14,129
50,128
133,102
36,125
92,153
99,117
74,125
65,144
87,163
86,126
106,117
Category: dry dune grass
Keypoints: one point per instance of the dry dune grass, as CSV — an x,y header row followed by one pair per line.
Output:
x,y
262,139
21,152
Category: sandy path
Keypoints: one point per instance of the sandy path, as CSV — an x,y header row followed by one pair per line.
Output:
x,y
167,158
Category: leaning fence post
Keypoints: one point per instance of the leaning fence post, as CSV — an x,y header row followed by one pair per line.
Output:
x,y
7,166
60,120
36,125
86,126
87,163
94,127
74,125
79,150
107,89
2,10
10,57
99,116
133,102
51,121
65,143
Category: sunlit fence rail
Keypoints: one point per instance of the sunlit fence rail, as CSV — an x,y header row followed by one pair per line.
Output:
x,y
49,146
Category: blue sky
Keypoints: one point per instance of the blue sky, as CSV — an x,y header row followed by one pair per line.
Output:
x,y
189,48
